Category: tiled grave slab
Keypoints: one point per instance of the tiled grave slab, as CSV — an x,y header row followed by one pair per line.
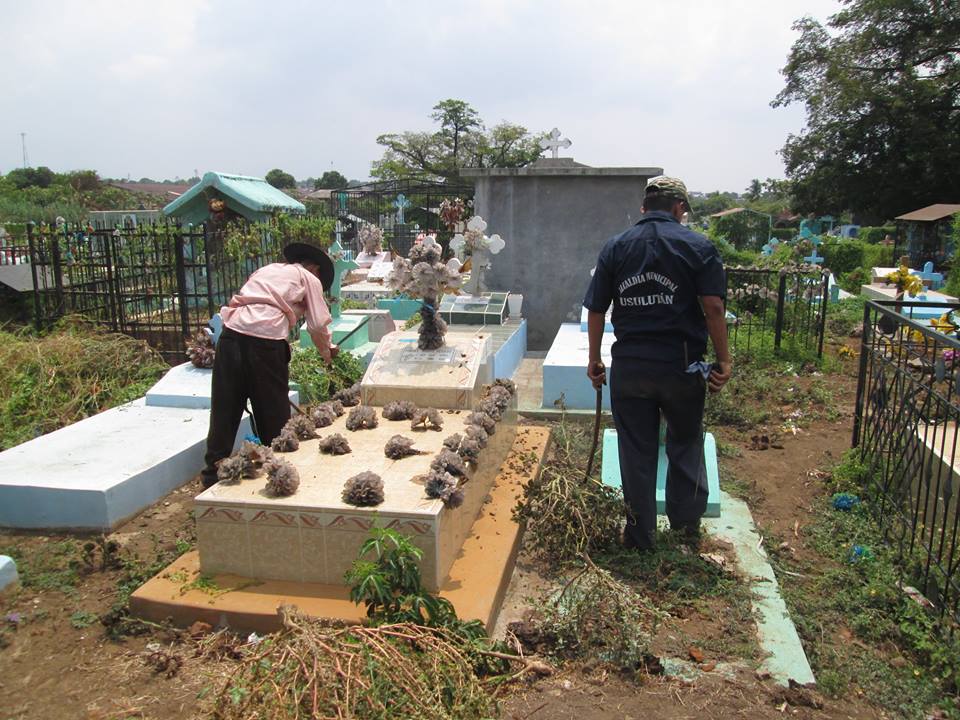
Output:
x,y
100,471
449,377
366,291
565,370
365,260
509,343
610,472
313,536
476,584
348,331
486,309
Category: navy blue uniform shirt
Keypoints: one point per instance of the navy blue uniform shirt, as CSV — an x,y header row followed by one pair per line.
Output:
x,y
654,274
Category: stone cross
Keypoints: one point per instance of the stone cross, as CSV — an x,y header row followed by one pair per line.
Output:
x,y
555,143
340,268
401,204
479,263
814,259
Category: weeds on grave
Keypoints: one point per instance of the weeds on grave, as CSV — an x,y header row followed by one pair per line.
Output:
x,y
900,658
566,514
413,321
134,572
311,670
596,616
319,381
389,585
55,565
419,660
74,371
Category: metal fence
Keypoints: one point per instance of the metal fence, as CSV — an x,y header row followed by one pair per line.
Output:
x,y
905,426
156,282
775,310
402,208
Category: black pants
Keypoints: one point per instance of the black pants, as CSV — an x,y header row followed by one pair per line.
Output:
x,y
639,392
246,368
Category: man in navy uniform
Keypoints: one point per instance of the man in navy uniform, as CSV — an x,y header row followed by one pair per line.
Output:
x,y
667,286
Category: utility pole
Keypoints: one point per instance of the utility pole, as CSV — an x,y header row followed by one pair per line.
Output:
x,y
23,146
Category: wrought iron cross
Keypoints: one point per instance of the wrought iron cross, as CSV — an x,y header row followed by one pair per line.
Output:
x,y
554,143
401,204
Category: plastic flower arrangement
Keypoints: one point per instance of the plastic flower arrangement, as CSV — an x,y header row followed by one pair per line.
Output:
x,y
905,281
422,275
946,323
474,239
452,212
371,239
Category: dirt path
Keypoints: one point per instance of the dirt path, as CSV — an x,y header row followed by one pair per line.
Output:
x,y
56,662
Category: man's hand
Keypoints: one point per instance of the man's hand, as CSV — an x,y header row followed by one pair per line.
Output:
x,y
719,378
327,354
597,372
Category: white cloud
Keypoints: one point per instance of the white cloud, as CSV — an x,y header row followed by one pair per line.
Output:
x,y
161,89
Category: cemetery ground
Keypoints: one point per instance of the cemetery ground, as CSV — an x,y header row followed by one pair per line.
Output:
x,y
69,649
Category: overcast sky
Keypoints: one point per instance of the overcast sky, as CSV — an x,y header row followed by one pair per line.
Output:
x,y
162,89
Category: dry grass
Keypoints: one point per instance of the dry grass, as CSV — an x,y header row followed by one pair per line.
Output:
x,y
76,370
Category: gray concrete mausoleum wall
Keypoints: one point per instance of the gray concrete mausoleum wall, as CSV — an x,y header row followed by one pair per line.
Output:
x,y
555,216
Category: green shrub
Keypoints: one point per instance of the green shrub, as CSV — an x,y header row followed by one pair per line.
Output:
x,y
842,256
873,235
784,234
877,256
852,280
317,380
731,256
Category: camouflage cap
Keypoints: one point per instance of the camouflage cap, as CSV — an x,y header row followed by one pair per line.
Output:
x,y
668,186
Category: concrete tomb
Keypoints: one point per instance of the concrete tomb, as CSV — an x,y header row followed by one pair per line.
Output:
x,y
314,536
557,214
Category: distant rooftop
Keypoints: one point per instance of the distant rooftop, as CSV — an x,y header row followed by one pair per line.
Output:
x,y
165,190
254,193
931,213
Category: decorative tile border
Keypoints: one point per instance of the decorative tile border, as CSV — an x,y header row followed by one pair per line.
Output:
x,y
221,514
273,517
351,522
420,528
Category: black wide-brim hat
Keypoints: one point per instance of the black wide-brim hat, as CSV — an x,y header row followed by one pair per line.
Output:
x,y
304,252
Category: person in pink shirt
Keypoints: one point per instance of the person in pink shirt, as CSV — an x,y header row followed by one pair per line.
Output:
x,y
253,354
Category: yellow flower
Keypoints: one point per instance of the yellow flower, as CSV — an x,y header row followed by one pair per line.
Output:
x,y
905,281
943,324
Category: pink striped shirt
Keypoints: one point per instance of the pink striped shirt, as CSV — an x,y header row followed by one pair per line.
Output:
x,y
273,299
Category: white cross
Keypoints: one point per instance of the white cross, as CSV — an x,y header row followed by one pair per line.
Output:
x,y
555,143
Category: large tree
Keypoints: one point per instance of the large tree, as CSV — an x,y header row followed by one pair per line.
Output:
x,y
280,179
330,180
881,86
461,141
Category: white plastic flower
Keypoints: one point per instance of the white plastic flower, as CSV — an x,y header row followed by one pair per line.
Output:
x,y
477,224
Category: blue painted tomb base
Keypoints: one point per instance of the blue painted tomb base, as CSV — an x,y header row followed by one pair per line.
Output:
x,y
565,370
610,471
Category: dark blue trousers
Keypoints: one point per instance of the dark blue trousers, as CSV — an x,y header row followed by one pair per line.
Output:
x,y
640,391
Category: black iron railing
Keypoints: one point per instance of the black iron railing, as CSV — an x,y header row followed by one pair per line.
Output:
x,y
377,202
157,282
771,310
906,429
